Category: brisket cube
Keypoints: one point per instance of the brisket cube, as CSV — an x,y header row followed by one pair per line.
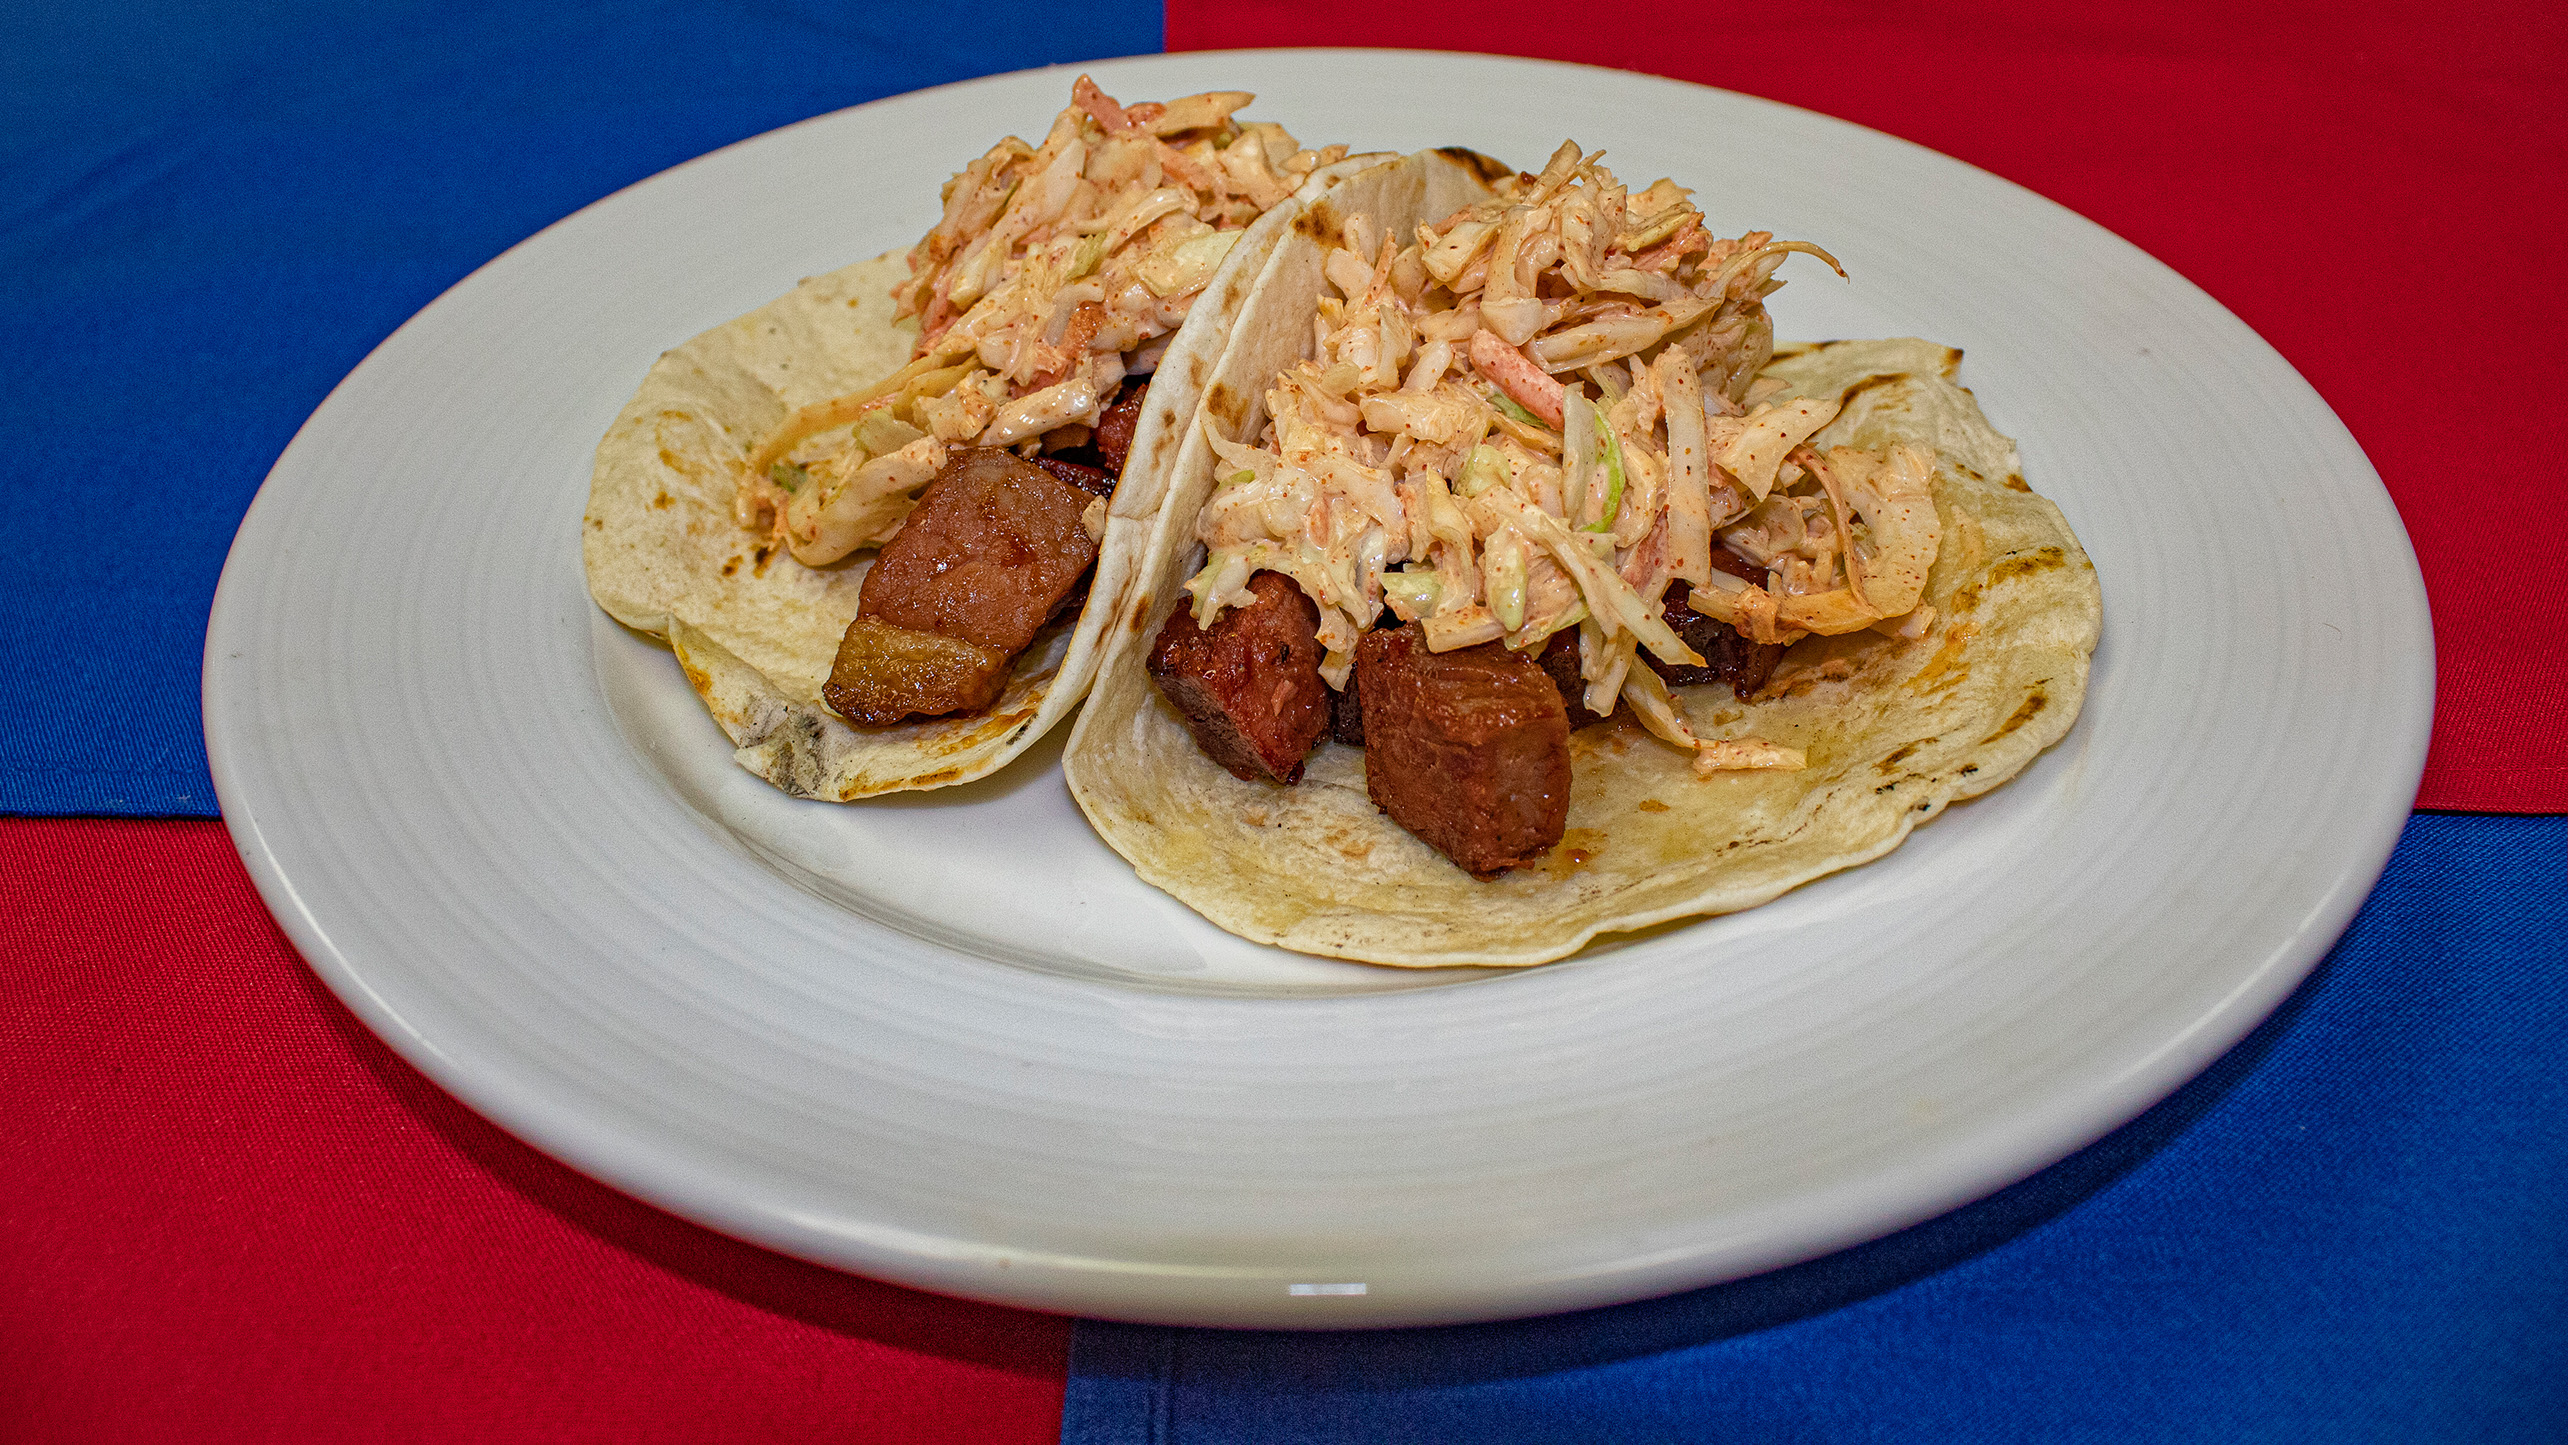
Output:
x,y
994,546
993,549
1467,749
1120,420
1249,687
1346,715
884,674
1727,656
1560,664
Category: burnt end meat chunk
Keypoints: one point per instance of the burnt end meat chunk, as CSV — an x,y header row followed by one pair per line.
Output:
x,y
1249,686
1346,715
994,548
1468,749
1727,656
885,673
1560,664
1725,560
1078,474
1116,426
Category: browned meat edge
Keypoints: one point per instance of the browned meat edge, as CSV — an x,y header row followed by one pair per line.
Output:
x,y
994,549
1249,687
1467,749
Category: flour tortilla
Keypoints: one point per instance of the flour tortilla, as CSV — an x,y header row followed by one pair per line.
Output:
x,y
1894,730
756,631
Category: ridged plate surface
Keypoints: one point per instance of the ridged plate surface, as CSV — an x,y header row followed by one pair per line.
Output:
x,y
952,1041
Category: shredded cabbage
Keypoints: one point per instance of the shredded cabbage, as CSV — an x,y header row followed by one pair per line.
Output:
x,y
1052,267
1452,496
1609,452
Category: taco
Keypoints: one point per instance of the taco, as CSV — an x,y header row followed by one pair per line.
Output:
x,y
1538,595
884,520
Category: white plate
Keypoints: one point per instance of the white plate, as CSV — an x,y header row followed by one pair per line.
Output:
x,y
952,1041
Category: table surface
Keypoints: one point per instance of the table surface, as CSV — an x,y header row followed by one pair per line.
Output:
x,y
227,1211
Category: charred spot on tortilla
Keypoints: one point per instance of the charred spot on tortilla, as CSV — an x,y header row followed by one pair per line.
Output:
x,y
2007,568
1321,221
1848,397
1487,168
1227,408
2034,702
2024,564
1900,754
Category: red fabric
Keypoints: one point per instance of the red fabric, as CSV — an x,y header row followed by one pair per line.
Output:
x,y
228,1213
2381,191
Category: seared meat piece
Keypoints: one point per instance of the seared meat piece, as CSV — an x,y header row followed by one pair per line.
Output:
x,y
1096,464
1725,560
1727,656
1560,664
1346,707
1078,474
1468,749
1346,715
1250,687
994,548
885,673
1121,419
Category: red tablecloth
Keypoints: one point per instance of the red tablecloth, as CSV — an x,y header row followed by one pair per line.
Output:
x,y
228,1213
2380,190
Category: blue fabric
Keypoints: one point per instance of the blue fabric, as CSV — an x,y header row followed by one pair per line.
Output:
x,y
2353,1227
209,214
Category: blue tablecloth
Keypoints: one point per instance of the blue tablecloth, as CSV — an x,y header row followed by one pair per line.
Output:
x,y
2353,1227
208,215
